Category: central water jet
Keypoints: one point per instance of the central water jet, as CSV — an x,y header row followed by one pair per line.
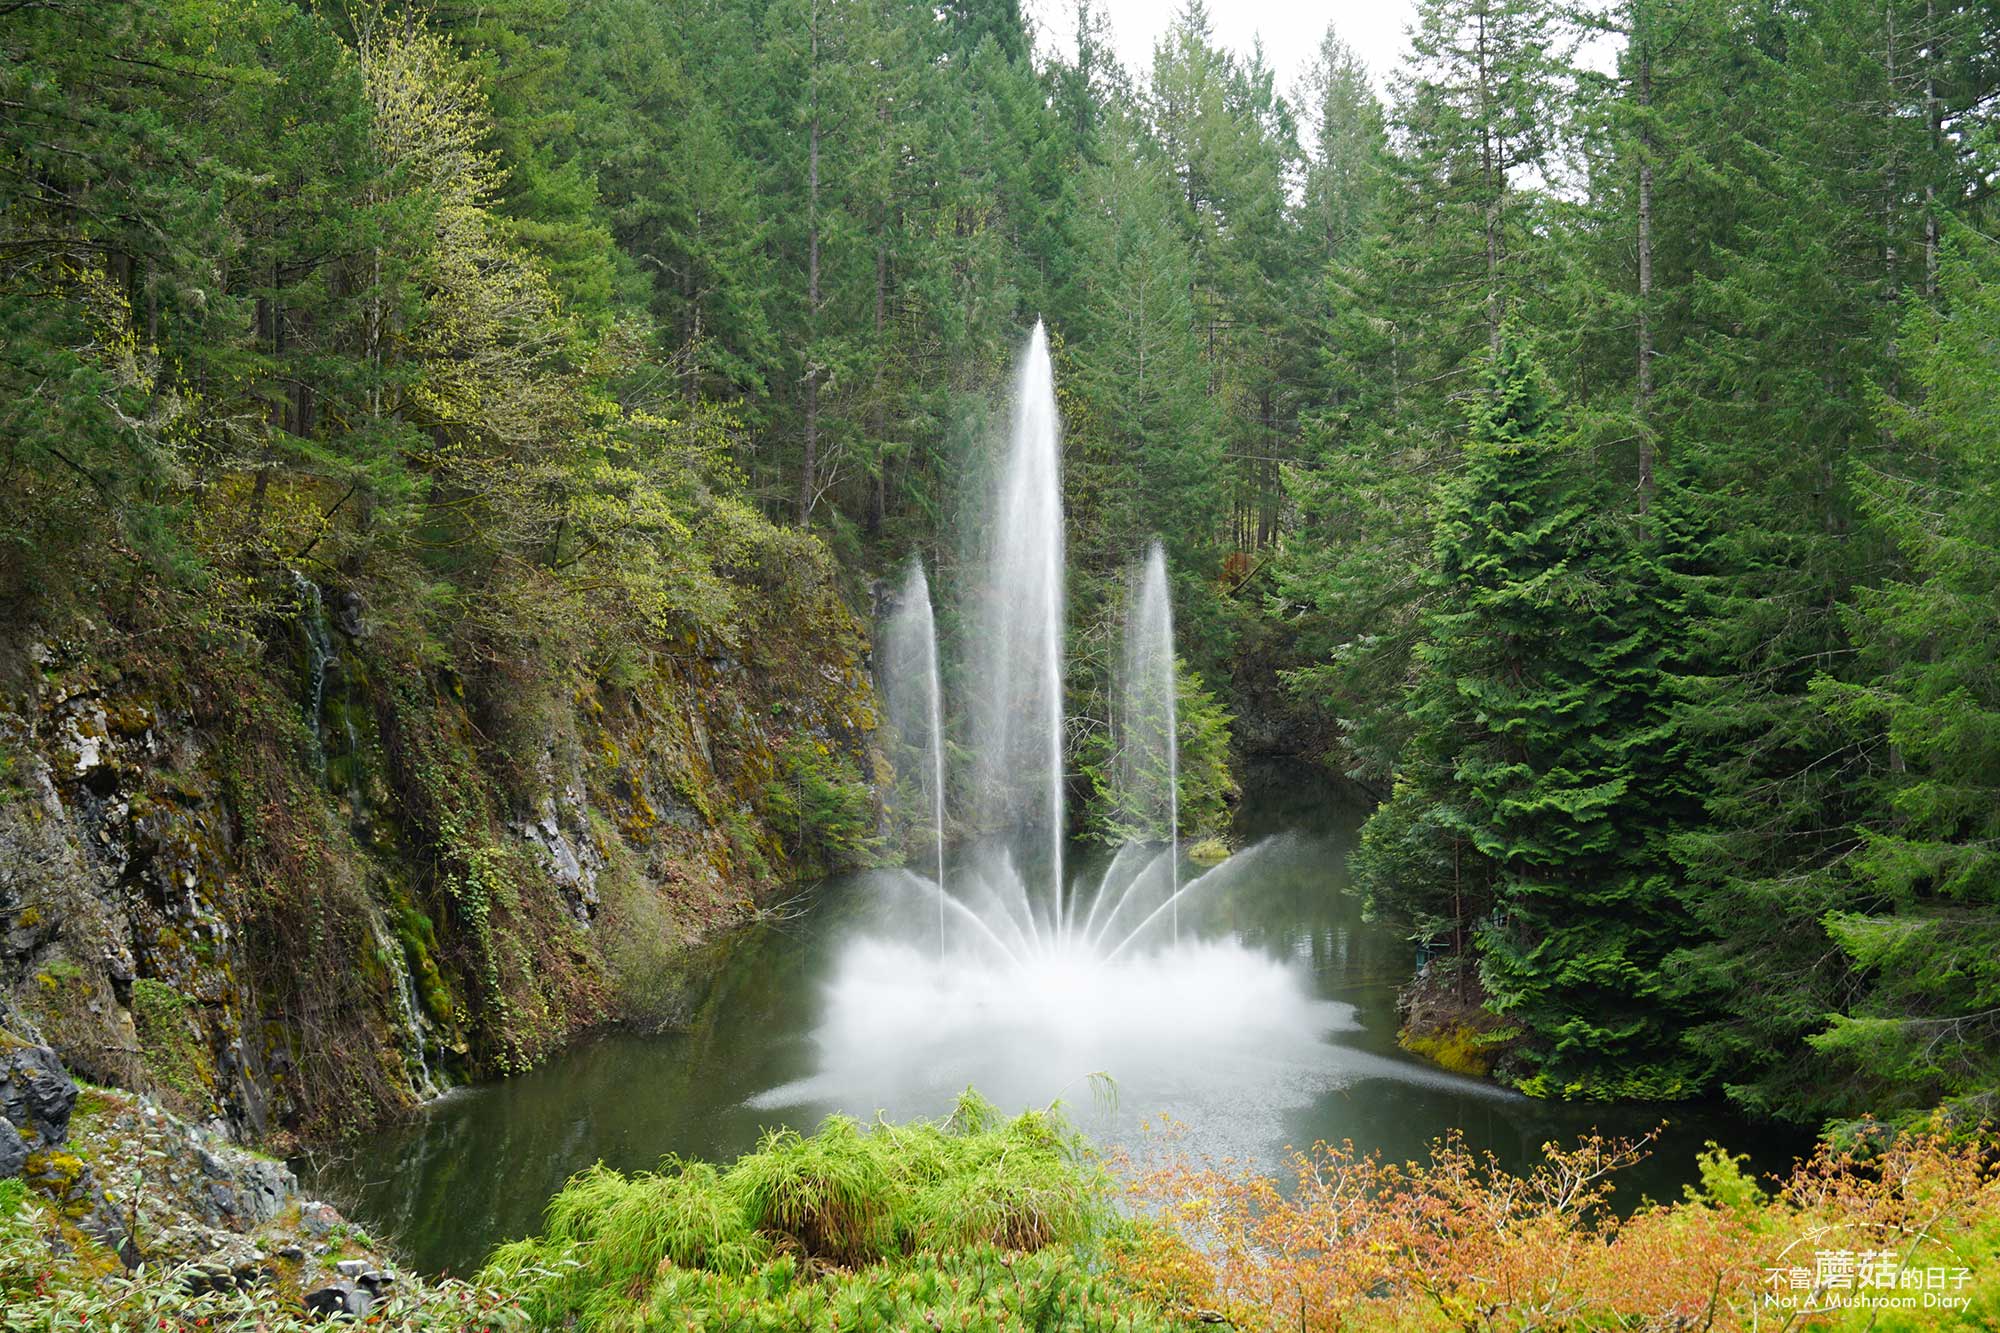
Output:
x,y
1015,671
1012,894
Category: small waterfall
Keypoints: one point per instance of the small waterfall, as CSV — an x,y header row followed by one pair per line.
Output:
x,y
913,695
415,1028
319,655
1149,750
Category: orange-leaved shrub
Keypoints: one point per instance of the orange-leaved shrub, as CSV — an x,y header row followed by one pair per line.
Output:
x,y
1905,1235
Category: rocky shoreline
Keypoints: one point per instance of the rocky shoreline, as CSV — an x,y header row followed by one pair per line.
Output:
x,y
115,1182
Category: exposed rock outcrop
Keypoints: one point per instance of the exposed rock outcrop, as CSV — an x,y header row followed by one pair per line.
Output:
x,y
123,1181
292,893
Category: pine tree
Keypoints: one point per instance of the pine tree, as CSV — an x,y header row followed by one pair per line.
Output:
x,y
1538,698
1347,585
1779,326
1143,448
1919,1023
1479,107
679,191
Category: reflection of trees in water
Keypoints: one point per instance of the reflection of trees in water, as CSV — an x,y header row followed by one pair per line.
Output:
x,y
480,1168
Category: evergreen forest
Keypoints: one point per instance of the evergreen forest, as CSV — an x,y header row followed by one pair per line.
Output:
x,y
1581,442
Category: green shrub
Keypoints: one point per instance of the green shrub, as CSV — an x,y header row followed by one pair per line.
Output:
x,y
1207,786
970,1219
821,808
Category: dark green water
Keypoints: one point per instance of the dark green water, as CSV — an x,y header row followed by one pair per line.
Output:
x,y
776,1043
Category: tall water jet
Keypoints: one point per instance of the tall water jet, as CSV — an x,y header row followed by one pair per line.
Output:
x,y
1149,751
1018,733
914,699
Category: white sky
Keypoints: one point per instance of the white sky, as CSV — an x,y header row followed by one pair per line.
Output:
x,y
1291,30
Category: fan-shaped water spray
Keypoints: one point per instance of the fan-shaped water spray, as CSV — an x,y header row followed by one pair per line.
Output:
x,y
1022,976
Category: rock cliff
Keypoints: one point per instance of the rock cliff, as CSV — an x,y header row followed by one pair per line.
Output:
x,y
291,885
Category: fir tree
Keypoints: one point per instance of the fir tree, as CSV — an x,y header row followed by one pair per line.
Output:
x,y
1919,1024
1535,707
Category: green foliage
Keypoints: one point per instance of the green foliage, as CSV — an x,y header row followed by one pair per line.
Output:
x,y
1119,811
1920,925
171,1044
969,1218
524,325
821,808
1524,820
1724,1182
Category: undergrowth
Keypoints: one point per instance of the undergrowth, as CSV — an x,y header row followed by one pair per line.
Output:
x,y
970,1221
978,1223
1904,1237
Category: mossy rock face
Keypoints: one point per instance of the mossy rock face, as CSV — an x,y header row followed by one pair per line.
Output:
x,y
226,850
171,1044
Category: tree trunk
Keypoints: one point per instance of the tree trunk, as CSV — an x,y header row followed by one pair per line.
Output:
x,y
1489,173
1644,396
1934,120
807,478
878,411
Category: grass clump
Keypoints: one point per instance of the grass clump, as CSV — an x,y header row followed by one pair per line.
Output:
x,y
969,1219
832,1195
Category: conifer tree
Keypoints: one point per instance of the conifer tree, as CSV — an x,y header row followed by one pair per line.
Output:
x,y
1536,703
1919,1022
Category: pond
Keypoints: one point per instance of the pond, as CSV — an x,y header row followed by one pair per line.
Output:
x,y
1299,1047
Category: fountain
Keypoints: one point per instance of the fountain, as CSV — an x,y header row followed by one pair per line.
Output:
x,y
913,697
1004,966
1010,898
1008,962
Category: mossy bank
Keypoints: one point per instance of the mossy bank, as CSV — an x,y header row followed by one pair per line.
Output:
x,y
301,877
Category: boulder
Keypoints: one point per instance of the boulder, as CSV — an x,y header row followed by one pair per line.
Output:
x,y
36,1093
13,1152
341,1299
317,1219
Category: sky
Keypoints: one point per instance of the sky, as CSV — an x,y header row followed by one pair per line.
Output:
x,y
1291,29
